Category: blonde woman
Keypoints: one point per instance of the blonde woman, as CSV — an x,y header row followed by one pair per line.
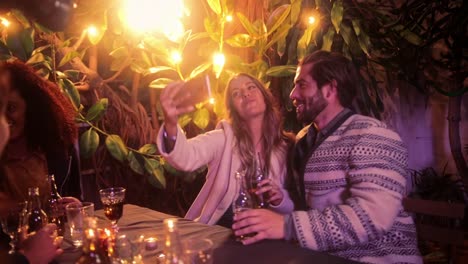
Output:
x,y
252,131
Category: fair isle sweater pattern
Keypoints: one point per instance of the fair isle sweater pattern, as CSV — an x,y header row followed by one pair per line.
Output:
x,y
354,183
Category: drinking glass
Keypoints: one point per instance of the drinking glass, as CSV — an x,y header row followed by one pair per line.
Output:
x,y
128,249
76,213
113,201
198,251
12,223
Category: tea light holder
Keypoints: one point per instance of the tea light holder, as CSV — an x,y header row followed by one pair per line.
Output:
x,y
151,243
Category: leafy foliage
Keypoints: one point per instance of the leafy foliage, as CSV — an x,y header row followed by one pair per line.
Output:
x,y
376,35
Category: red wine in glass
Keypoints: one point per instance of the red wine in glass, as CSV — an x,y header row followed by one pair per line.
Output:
x,y
113,211
113,200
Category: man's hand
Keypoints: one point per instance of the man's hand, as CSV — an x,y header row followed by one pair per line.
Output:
x,y
43,246
274,191
265,223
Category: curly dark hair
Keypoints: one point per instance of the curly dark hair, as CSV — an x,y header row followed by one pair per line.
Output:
x,y
50,117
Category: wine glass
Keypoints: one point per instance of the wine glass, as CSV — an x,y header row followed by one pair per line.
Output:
x,y
12,223
113,200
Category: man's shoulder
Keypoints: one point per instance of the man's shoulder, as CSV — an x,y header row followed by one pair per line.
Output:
x,y
365,125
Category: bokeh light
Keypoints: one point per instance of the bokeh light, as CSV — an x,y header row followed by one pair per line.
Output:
x,y
163,16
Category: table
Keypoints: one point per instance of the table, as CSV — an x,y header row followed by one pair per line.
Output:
x,y
139,220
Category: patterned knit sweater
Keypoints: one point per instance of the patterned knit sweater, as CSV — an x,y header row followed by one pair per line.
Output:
x,y
354,185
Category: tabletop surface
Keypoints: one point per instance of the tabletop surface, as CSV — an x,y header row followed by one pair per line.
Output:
x,y
138,220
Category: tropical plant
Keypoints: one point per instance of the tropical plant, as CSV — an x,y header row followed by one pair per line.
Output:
x,y
105,61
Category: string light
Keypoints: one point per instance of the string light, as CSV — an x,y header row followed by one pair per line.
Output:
x,y
5,22
92,31
311,20
212,101
149,16
218,63
228,18
153,69
176,57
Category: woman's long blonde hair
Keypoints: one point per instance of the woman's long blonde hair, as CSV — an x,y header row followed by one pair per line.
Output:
x,y
272,135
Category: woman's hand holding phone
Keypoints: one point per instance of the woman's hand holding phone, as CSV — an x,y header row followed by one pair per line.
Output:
x,y
172,104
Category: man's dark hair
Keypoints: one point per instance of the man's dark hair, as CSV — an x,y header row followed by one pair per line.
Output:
x,y
331,66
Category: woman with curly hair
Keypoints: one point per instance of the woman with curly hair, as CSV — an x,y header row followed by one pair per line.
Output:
x,y
42,135
251,135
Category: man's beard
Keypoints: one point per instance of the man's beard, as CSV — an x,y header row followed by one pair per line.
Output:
x,y
313,108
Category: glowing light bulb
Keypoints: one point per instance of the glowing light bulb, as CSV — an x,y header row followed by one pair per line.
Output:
x,y
218,63
228,18
75,5
176,57
153,69
5,22
152,15
311,20
212,101
92,31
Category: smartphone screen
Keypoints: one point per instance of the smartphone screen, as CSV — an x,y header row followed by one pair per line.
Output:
x,y
194,91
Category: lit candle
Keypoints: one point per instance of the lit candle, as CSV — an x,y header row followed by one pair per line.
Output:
x,y
151,243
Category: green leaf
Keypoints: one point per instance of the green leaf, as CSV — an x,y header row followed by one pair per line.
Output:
x,y
247,25
43,29
119,52
337,14
36,59
136,162
72,74
116,147
281,33
117,64
70,91
160,83
411,37
281,47
199,69
295,11
156,172
168,168
138,67
157,69
68,57
210,29
89,141
328,39
13,42
350,38
40,49
27,40
44,73
241,41
304,41
184,120
282,13
356,27
96,111
215,5
20,17
282,71
60,75
149,149
363,39
201,118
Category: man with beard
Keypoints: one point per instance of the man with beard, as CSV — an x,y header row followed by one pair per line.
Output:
x,y
349,174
